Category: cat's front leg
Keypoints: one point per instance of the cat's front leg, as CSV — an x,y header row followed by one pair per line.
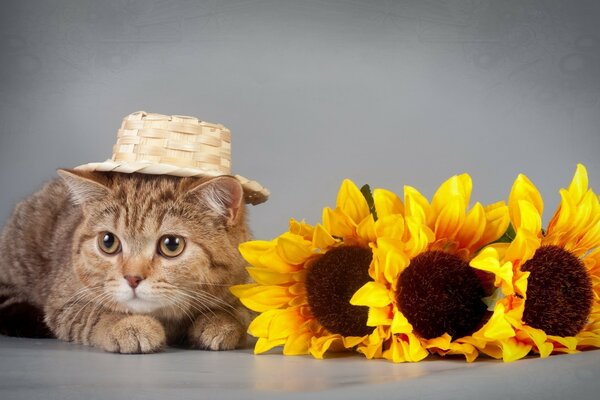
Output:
x,y
130,334
217,330
110,331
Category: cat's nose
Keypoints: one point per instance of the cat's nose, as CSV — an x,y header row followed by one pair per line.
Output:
x,y
133,281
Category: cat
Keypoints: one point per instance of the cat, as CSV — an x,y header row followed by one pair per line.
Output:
x,y
128,263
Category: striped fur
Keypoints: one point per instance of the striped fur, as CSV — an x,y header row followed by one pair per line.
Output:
x,y
50,261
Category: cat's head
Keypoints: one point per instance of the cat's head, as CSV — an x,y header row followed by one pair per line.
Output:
x,y
149,243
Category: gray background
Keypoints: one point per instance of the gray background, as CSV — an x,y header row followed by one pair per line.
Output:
x,y
384,92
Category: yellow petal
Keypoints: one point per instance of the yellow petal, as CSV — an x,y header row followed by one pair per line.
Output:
x,y
400,324
285,323
271,259
269,277
579,184
337,223
529,217
521,284
492,349
514,350
379,316
441,342
473,228
497,221
539,338
563,216
523,190
352,341
261,298
263,254
395,262
405,348
253,250
390,226
259,327
298,288
370,350
371,294
263,344
322,239
443,345
450,219
352,202
569,343
588,339
523,247
293,249
387,203
416,352
395,352
320,345
301,228
366,229
488,260
415,205
589,240
497,327
466,349
297,343
418,237
457,186
574,220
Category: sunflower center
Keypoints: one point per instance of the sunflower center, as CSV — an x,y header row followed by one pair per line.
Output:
x,y
330,283
439,293
559,292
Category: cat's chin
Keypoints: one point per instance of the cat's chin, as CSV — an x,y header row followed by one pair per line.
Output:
x,y
140,306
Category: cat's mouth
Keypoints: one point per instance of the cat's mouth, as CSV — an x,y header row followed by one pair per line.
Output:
x,y
136,300
141,306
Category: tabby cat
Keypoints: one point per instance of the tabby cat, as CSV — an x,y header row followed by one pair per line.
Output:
x,y
126,262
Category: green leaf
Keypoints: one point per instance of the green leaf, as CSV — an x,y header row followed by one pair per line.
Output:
x,y
508,236
366,192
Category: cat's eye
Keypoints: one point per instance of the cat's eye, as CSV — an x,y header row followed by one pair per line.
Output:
x,y
171,246
109,243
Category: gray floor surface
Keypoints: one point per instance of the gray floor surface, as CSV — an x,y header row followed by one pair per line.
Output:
x,y
50,369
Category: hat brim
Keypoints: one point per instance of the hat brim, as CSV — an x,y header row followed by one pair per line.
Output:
x,y
254,192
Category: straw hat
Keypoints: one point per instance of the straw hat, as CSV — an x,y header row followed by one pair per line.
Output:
x,y
174,145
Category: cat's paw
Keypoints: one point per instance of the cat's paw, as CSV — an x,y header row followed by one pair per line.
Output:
x,y
219,331
136,334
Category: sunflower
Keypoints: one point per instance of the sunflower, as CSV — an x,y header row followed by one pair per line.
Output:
x,y
424,297
305,278
548,281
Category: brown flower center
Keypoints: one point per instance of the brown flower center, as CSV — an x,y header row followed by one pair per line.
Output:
x,y
559,292
439,293
330,283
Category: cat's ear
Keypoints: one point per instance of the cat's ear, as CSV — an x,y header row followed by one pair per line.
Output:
x,y
84,186
223,194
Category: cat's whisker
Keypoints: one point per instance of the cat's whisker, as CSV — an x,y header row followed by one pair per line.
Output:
x,y
199,307
81,293
206,294
201,295
93,300
176,303
215,284
212,303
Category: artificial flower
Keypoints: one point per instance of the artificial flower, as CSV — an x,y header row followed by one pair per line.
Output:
x,y
305,278
548,281
423,296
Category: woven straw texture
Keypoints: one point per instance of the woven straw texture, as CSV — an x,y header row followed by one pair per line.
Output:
x,y
177,145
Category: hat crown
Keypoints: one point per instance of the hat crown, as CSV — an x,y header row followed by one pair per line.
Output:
x,y
176,145
177,140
